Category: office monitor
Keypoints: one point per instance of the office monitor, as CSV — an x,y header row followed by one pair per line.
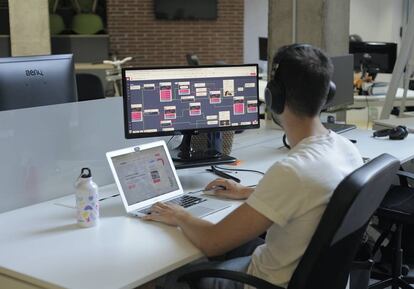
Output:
x,y
185,9
382,55
189,100
343,77
29,81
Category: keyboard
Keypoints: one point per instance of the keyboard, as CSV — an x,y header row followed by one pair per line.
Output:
x,y
339,127
187,201
184,201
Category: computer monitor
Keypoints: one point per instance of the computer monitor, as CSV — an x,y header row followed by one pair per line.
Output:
x,y
343,77
189,100
263,48
29,81
381,55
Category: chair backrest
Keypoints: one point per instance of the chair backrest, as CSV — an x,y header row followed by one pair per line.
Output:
x,y
192,59
89,86
327,260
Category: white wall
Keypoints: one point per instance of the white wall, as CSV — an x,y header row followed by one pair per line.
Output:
x,y
373,20
377,20
255,26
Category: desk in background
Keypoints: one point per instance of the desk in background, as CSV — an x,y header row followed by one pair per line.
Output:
x,y
378,100
42,246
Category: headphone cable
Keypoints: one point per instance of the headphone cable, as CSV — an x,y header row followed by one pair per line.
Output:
x,y
285,142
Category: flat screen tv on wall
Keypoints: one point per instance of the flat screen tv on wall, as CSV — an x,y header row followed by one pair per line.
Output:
x,y
186,9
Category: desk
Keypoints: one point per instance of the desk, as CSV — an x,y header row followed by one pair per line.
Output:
x,y
393,122
41,244
378,100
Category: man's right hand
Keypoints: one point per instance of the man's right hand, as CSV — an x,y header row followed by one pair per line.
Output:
x,y
229,189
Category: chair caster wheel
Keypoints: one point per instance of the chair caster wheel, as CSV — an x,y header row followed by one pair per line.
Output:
x,y
404,270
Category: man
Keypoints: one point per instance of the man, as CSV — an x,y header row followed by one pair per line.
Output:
x,y
292,196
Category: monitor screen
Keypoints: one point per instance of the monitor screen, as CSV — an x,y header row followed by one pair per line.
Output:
x,y
30,81
185,100
383,55
343,77
186,9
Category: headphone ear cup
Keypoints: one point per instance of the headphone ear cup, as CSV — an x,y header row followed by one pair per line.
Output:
x,y
398,133
331,92
275,97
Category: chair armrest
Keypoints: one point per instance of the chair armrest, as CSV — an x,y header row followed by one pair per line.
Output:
x,y
405,174
193,277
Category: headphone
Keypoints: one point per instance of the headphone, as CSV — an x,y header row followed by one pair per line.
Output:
x,y
396,133
275,92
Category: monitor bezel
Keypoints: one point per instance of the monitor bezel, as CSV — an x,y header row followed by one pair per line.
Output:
x,y
129,135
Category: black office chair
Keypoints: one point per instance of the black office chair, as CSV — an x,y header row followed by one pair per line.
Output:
x,y
192,59
89,87
327,260
397,211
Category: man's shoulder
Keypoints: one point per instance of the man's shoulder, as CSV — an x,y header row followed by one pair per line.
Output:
x,y
289,167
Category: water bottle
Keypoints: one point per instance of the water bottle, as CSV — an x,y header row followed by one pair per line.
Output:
x,y
87,203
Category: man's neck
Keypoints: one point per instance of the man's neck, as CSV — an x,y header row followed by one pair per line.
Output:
x,y
299,128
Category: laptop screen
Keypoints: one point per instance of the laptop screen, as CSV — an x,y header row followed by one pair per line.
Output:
x,y
145,174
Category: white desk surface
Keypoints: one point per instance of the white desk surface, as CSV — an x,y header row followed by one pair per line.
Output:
x,y
41,244
393,122
378,100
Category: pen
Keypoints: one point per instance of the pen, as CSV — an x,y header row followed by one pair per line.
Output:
x,y
223,174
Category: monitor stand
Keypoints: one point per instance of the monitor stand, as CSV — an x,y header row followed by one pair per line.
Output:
x,y
186,157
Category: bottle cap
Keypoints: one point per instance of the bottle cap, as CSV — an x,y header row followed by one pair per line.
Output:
x,y
85,173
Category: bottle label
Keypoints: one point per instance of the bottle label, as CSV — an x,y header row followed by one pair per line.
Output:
x,y
87,209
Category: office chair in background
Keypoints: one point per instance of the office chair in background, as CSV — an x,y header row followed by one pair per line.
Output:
x,y
397,211
89,87
327,261
192,59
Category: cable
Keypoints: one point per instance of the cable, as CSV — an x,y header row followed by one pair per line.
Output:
x,y
170,140
241,170
366,101
285,142
113,196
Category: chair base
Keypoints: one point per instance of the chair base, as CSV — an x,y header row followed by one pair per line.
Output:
x,y
394,283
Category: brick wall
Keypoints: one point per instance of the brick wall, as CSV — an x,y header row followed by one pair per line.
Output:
x,y
134,31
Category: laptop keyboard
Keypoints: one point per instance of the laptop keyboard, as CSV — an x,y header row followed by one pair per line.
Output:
x,y
184,201
187,201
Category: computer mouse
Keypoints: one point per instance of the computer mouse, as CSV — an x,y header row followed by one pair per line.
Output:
x,y
209,192
212,192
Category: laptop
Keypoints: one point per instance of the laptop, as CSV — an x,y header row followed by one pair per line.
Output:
x,y
145,174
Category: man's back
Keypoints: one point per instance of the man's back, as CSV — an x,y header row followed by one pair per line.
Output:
x,y
294,194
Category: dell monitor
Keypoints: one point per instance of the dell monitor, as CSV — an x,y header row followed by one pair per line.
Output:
x,y
380,56
29,81
190,100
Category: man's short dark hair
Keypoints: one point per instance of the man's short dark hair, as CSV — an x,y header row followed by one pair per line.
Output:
x,y
305,72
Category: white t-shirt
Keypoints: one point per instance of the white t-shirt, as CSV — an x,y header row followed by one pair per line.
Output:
x,y
293,194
